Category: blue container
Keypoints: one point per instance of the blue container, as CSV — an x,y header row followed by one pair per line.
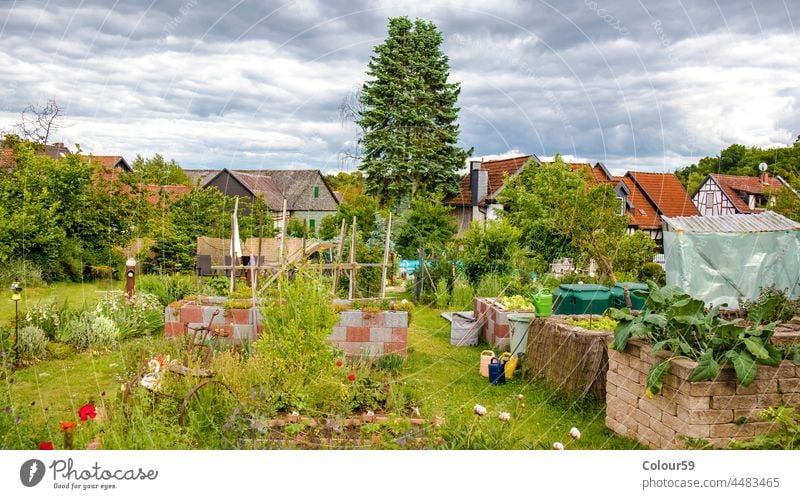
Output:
x,y
497,375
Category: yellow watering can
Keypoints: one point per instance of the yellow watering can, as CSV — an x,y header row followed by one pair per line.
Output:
x,y
510,363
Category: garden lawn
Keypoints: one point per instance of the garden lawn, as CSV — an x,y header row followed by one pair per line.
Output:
x,y
75,293
449,384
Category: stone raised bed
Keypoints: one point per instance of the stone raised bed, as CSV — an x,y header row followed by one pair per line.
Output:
x,y
570,358
716,411
371,334
240,324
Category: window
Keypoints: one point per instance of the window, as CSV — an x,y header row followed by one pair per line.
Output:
x,y
316,191
621,201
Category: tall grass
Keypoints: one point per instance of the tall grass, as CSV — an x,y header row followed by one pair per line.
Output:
x,y
167,288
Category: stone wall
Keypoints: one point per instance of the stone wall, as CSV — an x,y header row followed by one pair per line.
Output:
x,y
716,411
371,334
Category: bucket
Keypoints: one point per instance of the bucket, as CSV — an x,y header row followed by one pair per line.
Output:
x,y
486,359
543,302
519,331
496,372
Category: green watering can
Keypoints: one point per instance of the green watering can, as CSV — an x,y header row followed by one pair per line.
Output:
x,y
543,302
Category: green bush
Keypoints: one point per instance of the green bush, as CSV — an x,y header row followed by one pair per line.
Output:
x,y
490,249
143,317
491,286
167,288
462,296
652,271
48,316
32,342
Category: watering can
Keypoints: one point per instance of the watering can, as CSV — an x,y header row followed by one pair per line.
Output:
x,y
486,358
543,302
509,362
496,372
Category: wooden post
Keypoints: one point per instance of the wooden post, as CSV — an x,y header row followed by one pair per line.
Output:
x,y
386,256
351,293
419,276
283,238
234,237
303,255
338,262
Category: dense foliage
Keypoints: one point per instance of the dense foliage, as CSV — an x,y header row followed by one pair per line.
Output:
x,y
426,224
409,115
676,322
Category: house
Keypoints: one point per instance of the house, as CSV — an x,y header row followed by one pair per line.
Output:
x,y
644,197
478,189
307,195
721,195
108,162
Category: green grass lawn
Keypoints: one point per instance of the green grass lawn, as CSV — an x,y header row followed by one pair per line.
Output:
x,y
444,378
449,380
75,293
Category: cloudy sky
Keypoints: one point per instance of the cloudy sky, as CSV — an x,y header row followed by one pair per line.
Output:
x,y
646,85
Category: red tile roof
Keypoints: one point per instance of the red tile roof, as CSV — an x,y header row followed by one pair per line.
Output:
x,y
644,214
498,169
104,161
665,192
732,185
172,192
7,159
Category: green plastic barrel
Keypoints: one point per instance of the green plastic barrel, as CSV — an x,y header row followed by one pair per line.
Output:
x,y
543,302
618,295
580,299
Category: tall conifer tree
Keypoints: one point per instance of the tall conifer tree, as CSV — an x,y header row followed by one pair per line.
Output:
x,y
409,115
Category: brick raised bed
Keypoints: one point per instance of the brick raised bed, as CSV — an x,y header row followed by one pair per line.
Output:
x,y
239,324
571,359
716,411
371,334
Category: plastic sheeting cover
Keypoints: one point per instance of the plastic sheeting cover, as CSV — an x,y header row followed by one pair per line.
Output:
x,y
723,268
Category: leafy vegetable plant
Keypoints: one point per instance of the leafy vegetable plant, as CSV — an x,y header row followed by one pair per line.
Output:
x,y
674,321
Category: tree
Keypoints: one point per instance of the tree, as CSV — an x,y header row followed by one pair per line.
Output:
x,y
157,171
408,115
39,123
567,207
349,185
490,249
427,224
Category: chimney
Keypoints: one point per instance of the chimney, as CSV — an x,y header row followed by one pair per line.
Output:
x,y
764,177
479,185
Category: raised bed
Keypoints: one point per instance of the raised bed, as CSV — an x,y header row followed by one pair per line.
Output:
x,y
570,358
239,324
716,411
371,334
496,330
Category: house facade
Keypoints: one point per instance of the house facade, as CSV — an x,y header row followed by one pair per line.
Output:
x,y
721,195
307,195
644,197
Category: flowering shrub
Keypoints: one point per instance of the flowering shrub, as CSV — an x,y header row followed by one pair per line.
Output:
x,y
47,316
32,342
145,316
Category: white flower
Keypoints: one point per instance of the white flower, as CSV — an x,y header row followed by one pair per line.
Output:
x,y
504,416
479,410
575,433
558,446
519,397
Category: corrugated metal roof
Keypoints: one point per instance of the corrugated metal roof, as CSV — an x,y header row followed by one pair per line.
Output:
x,y
767,221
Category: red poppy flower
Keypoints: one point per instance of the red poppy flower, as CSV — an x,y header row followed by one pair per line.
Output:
x,y
46,446
352,377
67,425
87,412
338,363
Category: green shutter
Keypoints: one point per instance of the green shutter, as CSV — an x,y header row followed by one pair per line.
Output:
x,y
311,224
316,191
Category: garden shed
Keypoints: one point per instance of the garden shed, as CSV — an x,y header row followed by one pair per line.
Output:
x,y
726,258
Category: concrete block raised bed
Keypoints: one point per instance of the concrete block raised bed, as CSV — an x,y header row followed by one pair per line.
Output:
x,y
371,334
496,330
240,325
